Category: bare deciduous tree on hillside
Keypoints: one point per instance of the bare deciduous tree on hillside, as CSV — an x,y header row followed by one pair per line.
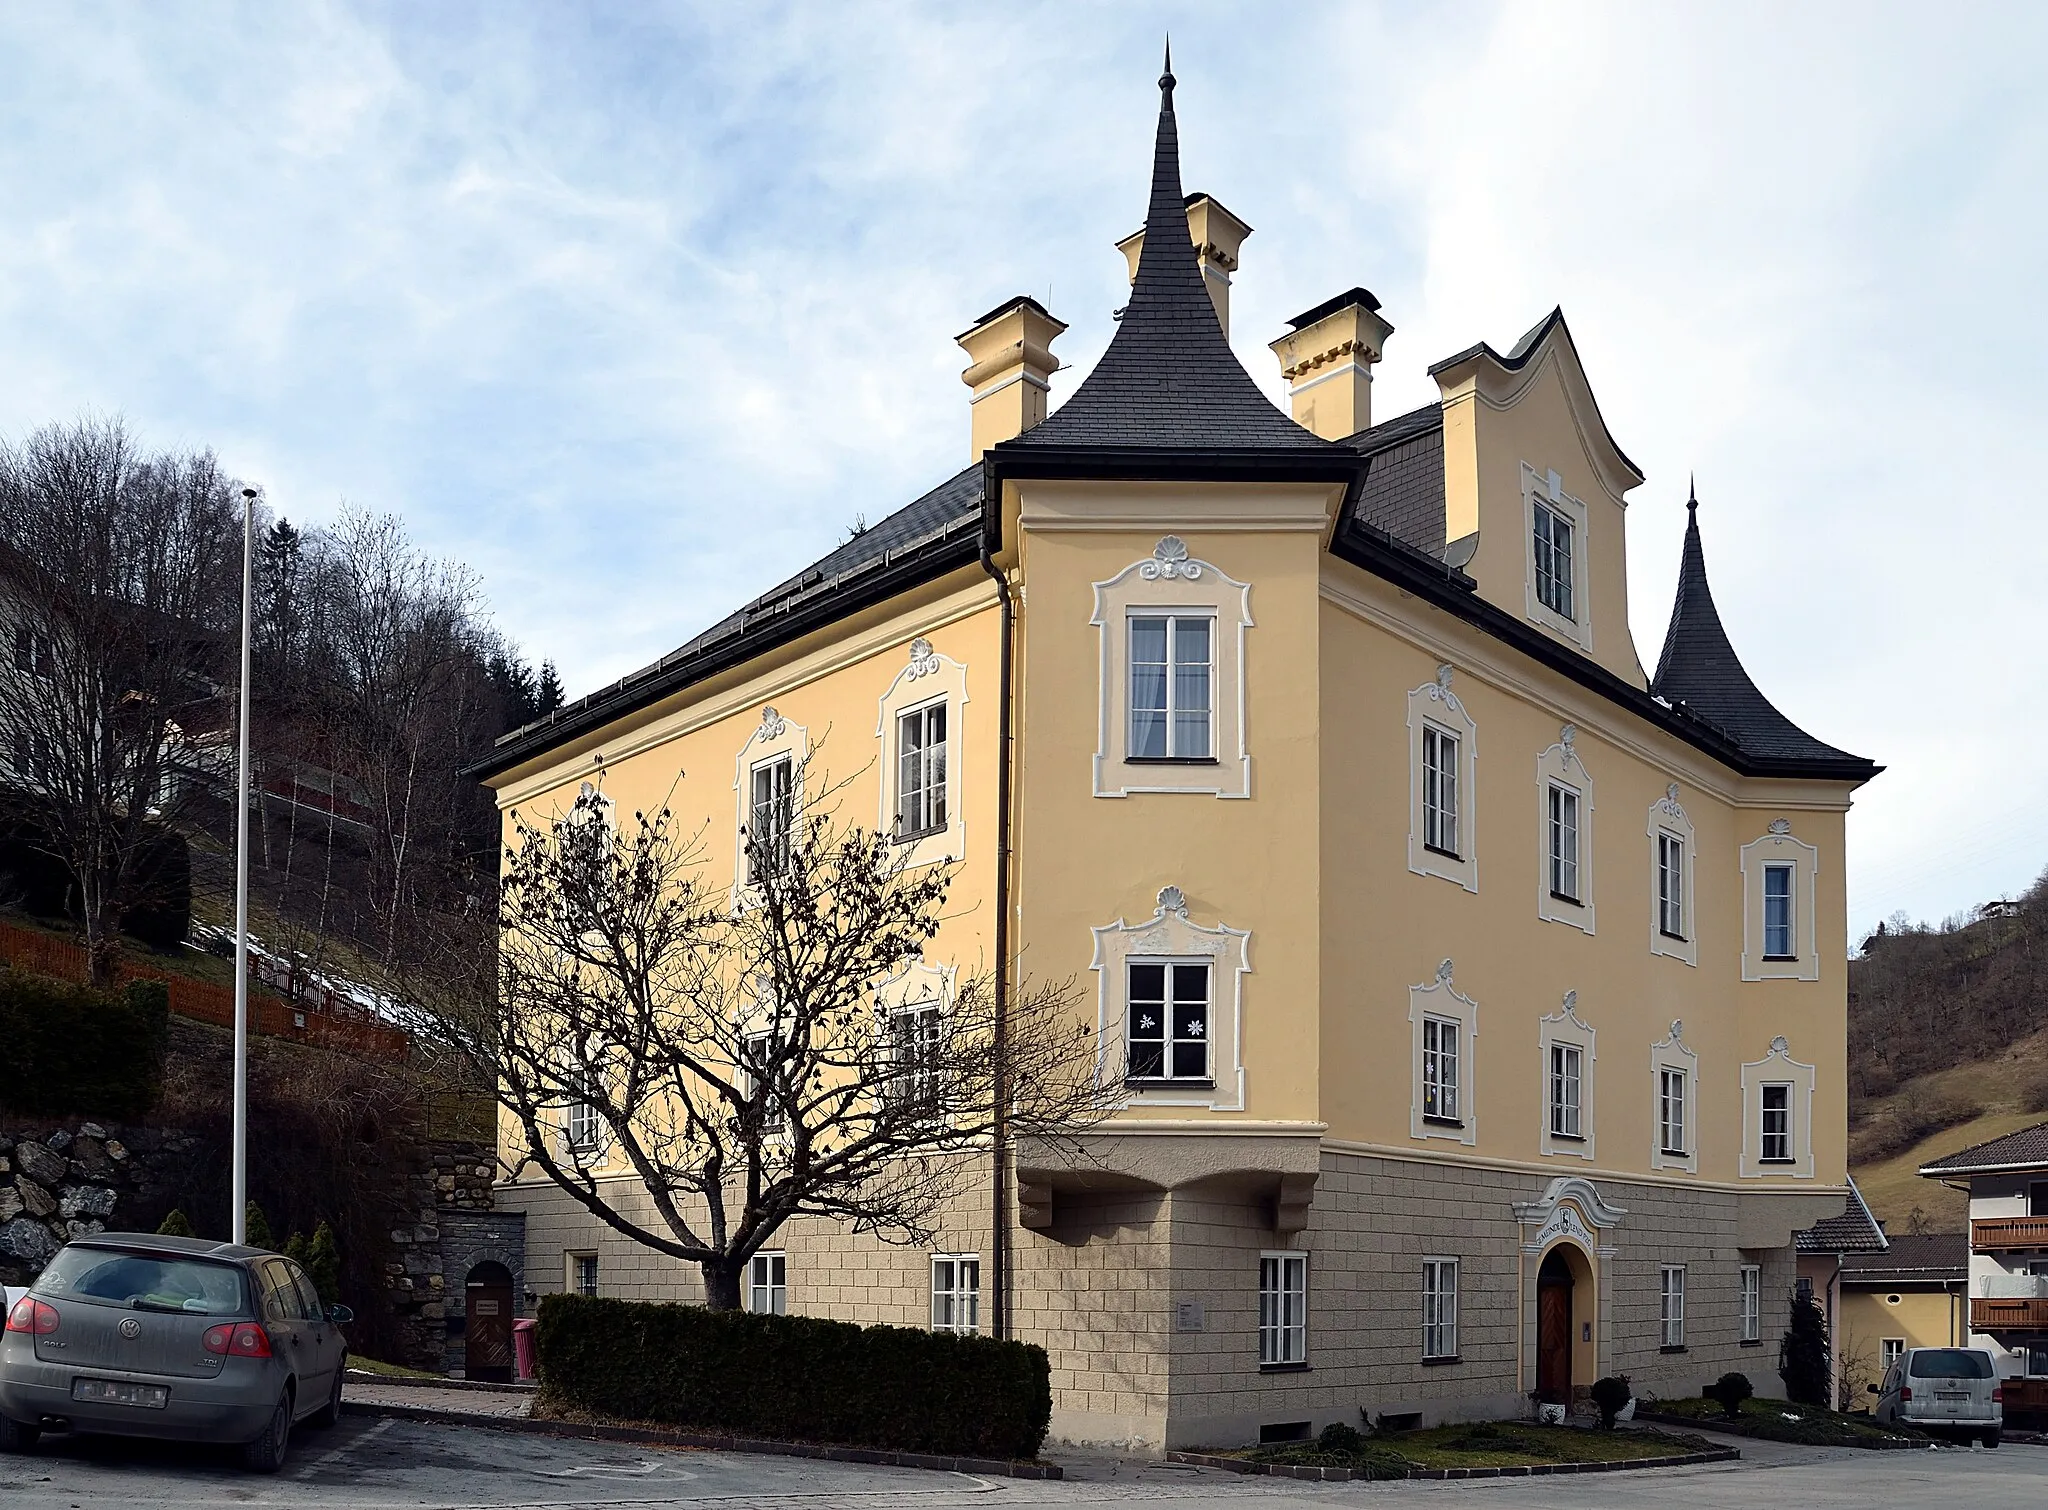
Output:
x,y
753,1054
119,593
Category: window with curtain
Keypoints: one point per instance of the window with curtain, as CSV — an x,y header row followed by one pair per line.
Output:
x,y
1440,1069
1439,1308
1752,1303
1567,1064
1671,886
1779,939
1283,1308
1777,1124
956,1293
1671,1305
1671,1112
1172,679
921,772
768,1284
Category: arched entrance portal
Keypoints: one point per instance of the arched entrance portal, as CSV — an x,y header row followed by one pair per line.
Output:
x,y
1564,1325
487,1325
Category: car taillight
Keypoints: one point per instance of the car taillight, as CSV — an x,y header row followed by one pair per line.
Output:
x,y
1998,1394
32,1316
1906,1393
237,1339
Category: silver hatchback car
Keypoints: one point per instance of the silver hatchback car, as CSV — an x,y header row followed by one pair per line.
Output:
x,y
1952,1391
140,1335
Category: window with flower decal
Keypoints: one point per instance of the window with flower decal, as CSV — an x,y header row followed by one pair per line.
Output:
x,y
1168,1034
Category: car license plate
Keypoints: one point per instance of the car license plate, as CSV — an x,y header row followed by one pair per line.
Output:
x,y
1952,1396
114,1392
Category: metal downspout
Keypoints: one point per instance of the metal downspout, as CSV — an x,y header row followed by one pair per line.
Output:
x,y
999,1249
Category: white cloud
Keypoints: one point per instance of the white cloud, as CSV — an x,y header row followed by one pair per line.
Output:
x,y
635,308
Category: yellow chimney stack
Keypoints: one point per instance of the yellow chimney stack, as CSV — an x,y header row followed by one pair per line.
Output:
x,y
1218,235
1010,368
1327,359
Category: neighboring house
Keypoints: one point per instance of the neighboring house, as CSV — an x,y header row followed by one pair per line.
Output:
x,y
1475,1000
1825,1250
2007,1180
1908,1294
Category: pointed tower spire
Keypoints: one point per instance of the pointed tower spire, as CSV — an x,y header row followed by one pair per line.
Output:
x,y
1169,378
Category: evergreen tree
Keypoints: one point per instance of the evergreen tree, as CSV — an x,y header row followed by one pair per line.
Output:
x,y
176,1224
549,695
323,1263
295,1248
257,1228
1803,1354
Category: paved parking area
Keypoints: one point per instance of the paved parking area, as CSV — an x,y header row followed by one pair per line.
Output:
x,y
370,1463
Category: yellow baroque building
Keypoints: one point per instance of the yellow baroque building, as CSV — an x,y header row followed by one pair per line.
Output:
x,y
1474,1000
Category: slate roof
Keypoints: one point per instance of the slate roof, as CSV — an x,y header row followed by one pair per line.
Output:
x,y
1403,492
1854,1231
1912,1258
2025,1149
1700,670
1169,379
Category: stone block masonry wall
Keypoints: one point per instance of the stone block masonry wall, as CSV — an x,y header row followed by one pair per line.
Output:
x,y
71,1179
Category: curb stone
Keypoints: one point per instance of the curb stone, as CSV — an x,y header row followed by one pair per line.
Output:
x,y
666,1437
1743,1429
1517,1471
397,1381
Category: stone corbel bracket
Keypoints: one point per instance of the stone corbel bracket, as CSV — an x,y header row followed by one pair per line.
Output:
x,y
1296,1192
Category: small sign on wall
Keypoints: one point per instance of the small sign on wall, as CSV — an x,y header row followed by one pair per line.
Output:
x,y
1188,1316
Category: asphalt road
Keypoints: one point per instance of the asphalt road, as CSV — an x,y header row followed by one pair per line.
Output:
x,y
370,1463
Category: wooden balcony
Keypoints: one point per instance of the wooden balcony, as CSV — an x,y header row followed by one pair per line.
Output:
x,y
2003,1234
1992,1314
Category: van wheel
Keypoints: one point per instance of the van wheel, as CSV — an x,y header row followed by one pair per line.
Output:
x,y
15,1437
1990,1439
266,1453
329,1413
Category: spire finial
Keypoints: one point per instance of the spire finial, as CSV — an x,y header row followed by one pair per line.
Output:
x,y
1692,493
1166,79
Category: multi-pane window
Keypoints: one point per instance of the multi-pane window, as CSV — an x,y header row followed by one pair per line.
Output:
x,y
1566,1078
916,1040
1752,1303
1564,843
1439,1308
768,1284
921,771
1671,886
1167,1035
1553,544
956,1293
771,817
33,655
1439,790
1671,1304
757,1051
582,1127
1889,1351
583,1273
1777,1124
1283,1308
1671,1112
1778,935
1440,1068
1172,679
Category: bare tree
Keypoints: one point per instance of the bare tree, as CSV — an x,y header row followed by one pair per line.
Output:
x,y
117,609
757,1053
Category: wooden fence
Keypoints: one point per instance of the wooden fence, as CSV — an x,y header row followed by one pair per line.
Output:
x,y
332,1024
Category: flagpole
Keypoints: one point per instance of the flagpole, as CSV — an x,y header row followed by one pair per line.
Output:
x,y
240,1200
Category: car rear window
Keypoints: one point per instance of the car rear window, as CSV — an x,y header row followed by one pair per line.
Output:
x,y
1950,1363
146,1281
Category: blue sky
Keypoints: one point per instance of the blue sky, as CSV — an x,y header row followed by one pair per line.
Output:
x,y
635,307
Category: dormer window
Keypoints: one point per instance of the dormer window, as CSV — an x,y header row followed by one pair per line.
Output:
x,y
1172,665
1553,547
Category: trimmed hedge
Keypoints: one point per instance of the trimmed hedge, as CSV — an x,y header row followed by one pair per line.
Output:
x,y
66,1048
796,1378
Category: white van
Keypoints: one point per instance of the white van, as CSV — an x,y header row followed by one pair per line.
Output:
x,y
1952,1391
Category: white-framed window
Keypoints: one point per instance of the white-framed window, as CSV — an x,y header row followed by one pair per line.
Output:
x,y
1889,1351
1752,1280
1440,791
921,772
917,1034
1555,568
1283,1308
1671,1305
758,1056
1443,1047
1443,744
1566,1075
1440,1060
956,1293
771,816
582,1128
767,785
1777,912
582,1273
1173,665
1563,832
1776,1147
1172,715
768,1284
1439,1308
1674,1111
1166,1036
1552,543
1671,879
1671,912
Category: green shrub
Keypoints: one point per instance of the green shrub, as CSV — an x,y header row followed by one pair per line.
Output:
x,y
176,1224
1337,1437
256,1228
1729,1391
796,1378
323,1263
66,1048
1611,1394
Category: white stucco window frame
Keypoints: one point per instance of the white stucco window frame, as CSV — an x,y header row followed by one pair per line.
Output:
x,y
771,739
1566,1027
1777,1067
1548,487
1170,582
1434,703
1170,935
928,678
1672,1052
1668,817
1560,766
1779,847
1440,999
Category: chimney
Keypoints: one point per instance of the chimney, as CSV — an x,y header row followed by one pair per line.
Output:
x,y
1327,360
1010,366
1217,235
